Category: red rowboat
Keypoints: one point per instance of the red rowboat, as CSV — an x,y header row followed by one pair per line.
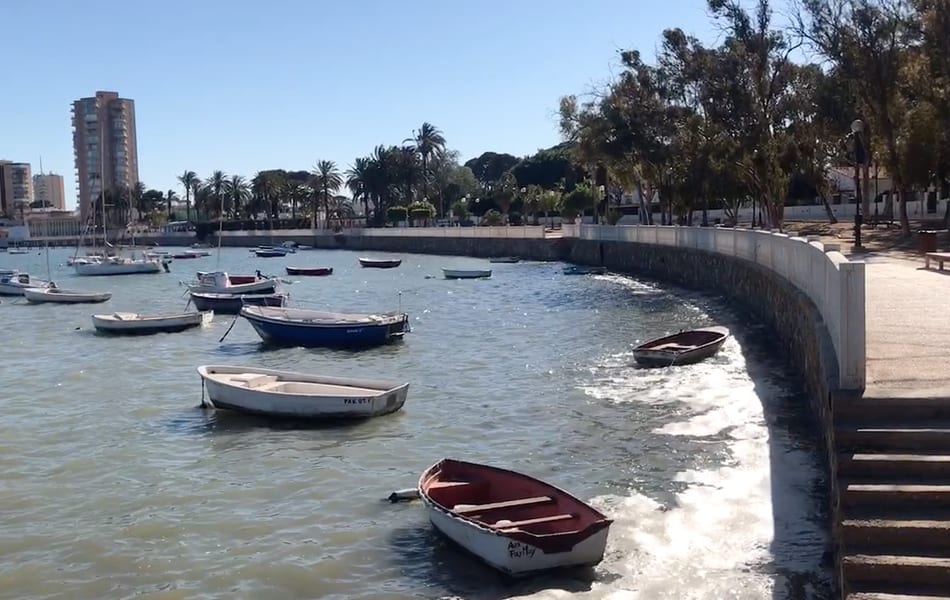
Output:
x,y
513,522
311,271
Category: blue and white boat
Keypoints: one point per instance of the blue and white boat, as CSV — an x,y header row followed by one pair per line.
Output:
x,y
302,327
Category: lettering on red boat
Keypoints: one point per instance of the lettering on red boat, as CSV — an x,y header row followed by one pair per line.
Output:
x,y
520,550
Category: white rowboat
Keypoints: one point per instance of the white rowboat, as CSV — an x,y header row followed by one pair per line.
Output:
x,y
299,395
218,282
133,323
61,296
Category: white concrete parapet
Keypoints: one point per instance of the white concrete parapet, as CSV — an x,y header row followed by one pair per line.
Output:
x,y
835,284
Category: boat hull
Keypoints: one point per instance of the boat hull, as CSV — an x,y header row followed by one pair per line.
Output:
x,y
310,271
266,286
302,333
460,274
16,283
270,253
60,296
376,398
131,324
230,304
504,259
582,270
373,263
117,268
668,351
524,547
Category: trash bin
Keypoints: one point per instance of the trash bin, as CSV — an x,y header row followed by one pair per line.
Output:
x,y
927,240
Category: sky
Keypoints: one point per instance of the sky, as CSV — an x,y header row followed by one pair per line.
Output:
x,y
246,85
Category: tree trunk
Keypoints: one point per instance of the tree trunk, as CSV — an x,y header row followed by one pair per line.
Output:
x,y
645,216
705,211
831,214
905,222
866,193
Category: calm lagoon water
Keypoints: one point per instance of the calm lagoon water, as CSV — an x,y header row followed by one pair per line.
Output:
x,y
115,484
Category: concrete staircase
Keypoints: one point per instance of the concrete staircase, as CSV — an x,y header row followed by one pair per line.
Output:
x,y
894,486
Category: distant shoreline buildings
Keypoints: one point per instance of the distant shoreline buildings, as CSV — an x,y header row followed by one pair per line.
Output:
x,y
104,147
16,188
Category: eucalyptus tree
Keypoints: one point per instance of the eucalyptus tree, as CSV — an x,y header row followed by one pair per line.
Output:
x,y
326,180
188,180
868,41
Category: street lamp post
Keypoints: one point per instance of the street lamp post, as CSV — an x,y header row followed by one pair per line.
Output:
x,y
857,129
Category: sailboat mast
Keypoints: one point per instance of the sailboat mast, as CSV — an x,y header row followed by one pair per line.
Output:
x,y
217,263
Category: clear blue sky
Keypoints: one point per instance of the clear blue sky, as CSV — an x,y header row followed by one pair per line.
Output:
x,y
242,85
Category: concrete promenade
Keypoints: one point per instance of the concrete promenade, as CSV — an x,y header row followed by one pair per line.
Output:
x,y
908,328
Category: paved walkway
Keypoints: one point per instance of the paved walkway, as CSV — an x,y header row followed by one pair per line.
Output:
x,y
908,328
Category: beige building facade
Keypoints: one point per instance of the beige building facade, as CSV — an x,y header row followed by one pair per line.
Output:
x,y
48,189
16,188
104,147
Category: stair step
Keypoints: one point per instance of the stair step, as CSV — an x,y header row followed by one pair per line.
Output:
x,y
895,495
865,409
899,439
920,573
876,467
914,537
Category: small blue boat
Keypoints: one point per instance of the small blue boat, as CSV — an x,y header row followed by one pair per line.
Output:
x,y
302,327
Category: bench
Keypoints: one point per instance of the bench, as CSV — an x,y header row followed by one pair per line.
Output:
x,y
252,380
515,524
938,257
468,509
673,347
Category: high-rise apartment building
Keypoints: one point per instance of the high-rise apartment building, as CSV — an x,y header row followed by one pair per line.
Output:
x,y
104,147
16,188
48,189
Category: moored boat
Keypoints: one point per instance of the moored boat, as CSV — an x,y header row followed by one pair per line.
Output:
x,y
299,395
231,304
119,265
310,271
380,263
683,348
584,270
269,253
466,274
504,259
13,283
218,282
513,522
304,327
134,323
61,296
236,279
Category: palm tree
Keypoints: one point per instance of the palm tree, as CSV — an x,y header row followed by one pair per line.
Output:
x,y
326,180
428,140
357,180
169,198
217,182
238,192
188,179
138,193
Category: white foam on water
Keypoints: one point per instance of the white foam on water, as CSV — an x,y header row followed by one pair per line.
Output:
x,y
714,539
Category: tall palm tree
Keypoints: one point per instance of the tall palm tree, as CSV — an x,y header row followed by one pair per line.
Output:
x,y
188,179
217,182
169,198
428,140
238,192
326,180
357,181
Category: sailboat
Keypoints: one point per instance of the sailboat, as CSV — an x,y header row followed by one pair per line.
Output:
x,y
52,294
114,265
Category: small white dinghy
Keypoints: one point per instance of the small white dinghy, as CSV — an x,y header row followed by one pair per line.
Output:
x,y
133,323
61,296
466,273
299,395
